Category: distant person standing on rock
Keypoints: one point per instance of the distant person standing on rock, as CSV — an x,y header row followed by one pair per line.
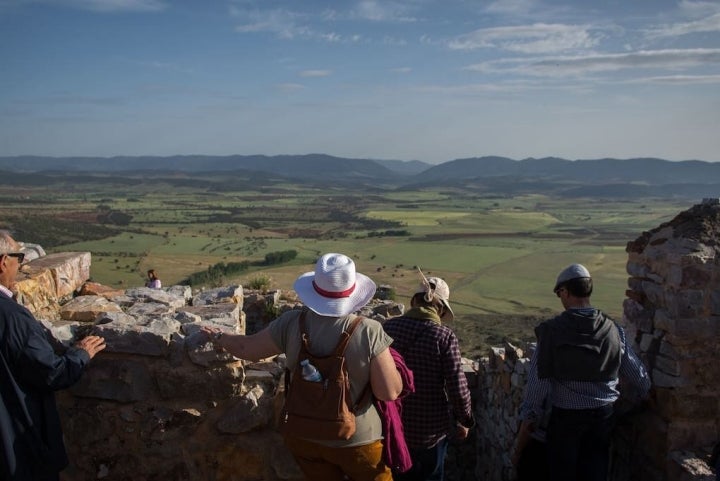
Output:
x,y
580,356
441,406
31,441
153,281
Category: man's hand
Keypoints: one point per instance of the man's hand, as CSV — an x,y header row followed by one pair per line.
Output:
x,y
91,344
461,432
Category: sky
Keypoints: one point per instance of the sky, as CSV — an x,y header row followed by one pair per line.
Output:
x,y
429,80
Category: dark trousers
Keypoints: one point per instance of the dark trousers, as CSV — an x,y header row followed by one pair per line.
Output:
x,y
533,462
428,464
579,443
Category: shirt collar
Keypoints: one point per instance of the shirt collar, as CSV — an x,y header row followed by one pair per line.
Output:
x,y
6,291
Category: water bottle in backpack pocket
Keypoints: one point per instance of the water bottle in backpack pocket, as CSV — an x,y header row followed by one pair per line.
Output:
x,y
310,372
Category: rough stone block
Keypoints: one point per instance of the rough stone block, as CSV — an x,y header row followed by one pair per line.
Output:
x,y
662,379
121,380
69,270
252,411
87,308
686,434
668,365
686,303
198,386
126,337
675,403
220,295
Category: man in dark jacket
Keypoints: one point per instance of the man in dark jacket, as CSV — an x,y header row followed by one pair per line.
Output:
x,y
580,356
31,443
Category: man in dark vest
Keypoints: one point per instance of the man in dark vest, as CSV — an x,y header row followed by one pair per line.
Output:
x,y
580,356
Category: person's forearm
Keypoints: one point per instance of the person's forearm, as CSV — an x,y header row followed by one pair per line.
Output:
x,y
252,348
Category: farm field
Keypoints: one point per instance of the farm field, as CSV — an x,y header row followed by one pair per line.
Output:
x,y
500,255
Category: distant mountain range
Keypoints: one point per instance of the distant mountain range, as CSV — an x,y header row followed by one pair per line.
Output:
x,y
630,177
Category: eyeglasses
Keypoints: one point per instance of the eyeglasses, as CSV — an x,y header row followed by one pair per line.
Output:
x,y
557,293
19,255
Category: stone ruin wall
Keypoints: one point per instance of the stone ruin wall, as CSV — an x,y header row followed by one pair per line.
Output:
x,y
158,404
673,312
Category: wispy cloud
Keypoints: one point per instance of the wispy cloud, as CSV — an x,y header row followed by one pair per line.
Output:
x,y
283,23
698,9
103,6
289,87
382,11
677,59
529,39
707,24
510,7
315,73
679,80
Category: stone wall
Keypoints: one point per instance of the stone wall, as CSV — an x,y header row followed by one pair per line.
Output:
x,y
673,312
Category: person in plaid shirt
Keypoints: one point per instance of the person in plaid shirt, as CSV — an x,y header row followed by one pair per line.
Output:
x,y
441,405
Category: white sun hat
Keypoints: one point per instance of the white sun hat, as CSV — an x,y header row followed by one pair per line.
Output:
x,y
334,288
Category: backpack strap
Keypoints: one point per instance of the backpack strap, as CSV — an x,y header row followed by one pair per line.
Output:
x,y
345,337
304,338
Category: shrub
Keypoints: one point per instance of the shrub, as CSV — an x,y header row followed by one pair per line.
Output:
x,y
260,283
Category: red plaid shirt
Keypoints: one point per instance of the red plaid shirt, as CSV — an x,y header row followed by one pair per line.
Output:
x,y
441,395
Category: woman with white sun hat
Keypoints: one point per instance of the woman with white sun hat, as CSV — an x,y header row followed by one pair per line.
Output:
x,y
331,294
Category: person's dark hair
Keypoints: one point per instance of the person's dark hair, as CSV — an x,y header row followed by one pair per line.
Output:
x,y
580,287
151,274
418,300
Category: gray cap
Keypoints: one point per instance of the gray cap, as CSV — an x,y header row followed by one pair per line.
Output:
x,y
573,271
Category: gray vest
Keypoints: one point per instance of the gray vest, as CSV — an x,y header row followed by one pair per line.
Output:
x,y
578,347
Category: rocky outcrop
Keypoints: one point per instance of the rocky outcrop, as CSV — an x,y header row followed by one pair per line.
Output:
x,y
47,282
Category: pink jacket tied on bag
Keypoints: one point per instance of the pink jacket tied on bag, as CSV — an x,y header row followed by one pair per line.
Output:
x,y
395,450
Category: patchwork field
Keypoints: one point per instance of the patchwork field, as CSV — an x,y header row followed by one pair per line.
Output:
x,y
500,255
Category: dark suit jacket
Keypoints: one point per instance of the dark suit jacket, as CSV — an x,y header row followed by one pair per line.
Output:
x,y
31,443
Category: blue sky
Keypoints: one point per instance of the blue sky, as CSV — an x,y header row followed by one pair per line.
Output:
x,y
405,79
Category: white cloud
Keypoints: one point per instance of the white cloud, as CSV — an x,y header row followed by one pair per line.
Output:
x,y
315,73
699,8
105,6
510,7
290,87
283,23
382,11
393,41
530,39
677,59
707,24
680,80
